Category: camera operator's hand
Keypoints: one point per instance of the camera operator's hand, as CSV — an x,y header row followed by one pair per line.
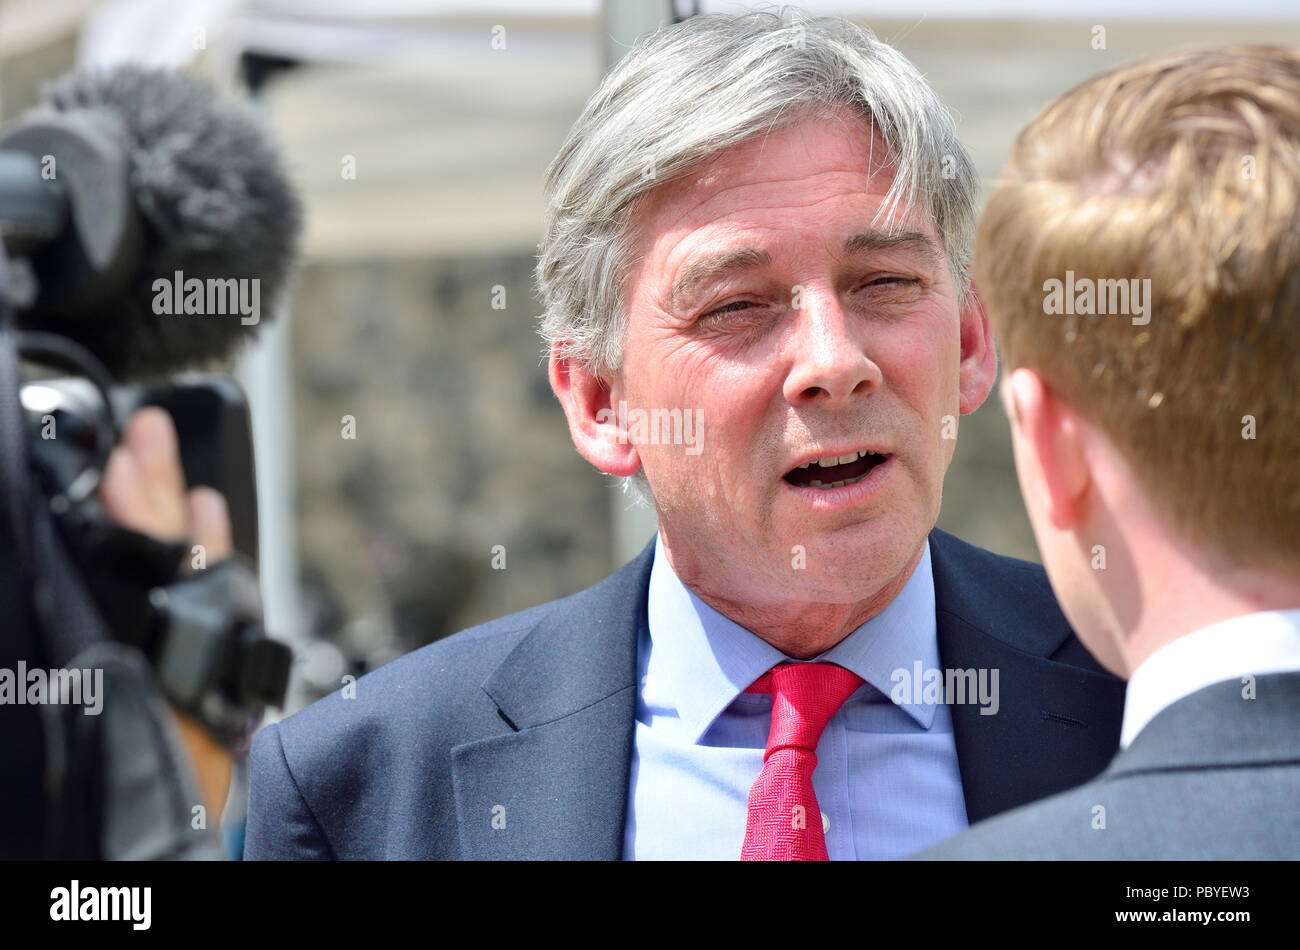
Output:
x,y
143,489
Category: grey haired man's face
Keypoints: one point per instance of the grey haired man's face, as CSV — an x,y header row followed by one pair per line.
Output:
x,y
767,303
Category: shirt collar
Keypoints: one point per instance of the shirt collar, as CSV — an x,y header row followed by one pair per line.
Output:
x,y
702,660
1250,645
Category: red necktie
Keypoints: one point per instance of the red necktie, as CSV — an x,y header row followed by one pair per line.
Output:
x,y
785,822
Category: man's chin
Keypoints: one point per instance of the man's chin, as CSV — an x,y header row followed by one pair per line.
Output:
x,y
853,561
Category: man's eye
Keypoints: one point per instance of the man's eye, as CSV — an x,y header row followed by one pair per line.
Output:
x,y
732,307
887,280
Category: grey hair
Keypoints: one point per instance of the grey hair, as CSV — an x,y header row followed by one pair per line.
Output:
x,y
690,90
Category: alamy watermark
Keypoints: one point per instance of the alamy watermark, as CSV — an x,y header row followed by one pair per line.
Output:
x,y
1085,296
215,296
77,902
950,687
657,426
58,687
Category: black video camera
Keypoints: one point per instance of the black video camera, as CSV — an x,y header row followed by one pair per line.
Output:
x,y
121,180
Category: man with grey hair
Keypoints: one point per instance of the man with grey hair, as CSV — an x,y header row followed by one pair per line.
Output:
x,y
761,228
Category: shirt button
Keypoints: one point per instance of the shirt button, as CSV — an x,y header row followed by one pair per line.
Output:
x,y
826,824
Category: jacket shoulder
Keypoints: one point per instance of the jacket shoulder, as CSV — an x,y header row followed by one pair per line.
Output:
x,y
1051,828
421,696
361,773
1191,814
365,771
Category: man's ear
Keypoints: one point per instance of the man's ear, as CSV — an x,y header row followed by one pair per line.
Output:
x,y
592,407
1048,436
979,355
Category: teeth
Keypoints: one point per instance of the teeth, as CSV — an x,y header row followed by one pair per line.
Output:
x,y
834,460
840,484
838,460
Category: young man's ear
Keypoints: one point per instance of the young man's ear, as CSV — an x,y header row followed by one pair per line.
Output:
x,y
1048,437
591,405
979,355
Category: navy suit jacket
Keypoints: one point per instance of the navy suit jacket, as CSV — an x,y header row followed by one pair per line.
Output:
x,y
514,739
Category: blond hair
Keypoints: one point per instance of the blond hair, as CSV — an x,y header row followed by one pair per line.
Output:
x,y
1184,170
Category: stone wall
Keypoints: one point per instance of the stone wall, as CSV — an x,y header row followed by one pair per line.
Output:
x,y
456,446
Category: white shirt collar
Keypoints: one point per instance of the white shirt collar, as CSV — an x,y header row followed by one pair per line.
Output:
x,y
1249,645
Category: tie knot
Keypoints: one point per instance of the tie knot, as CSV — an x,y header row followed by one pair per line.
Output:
x,y
804,698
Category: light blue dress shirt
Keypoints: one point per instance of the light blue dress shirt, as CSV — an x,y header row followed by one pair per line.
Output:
x,y
886,778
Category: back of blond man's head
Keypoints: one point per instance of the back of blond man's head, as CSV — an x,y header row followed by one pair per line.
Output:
x,y
1185,170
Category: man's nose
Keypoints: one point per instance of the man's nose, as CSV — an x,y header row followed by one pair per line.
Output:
x,y
828,359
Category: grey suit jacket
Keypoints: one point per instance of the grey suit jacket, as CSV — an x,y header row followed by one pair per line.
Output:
x,y
1214,776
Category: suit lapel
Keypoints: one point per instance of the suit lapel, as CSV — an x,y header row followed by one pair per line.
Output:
x,y
554,784
1057,724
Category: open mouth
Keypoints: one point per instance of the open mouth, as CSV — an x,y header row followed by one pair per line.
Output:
x,y
835,471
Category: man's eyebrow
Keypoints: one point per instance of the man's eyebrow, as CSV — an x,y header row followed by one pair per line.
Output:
x,y
709,268
750,258
900,240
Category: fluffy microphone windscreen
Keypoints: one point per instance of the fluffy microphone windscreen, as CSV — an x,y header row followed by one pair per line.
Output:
x,y
218,206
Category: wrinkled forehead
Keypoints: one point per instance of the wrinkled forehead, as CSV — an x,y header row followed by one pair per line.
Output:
x,y
838,141
838,163
816,157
